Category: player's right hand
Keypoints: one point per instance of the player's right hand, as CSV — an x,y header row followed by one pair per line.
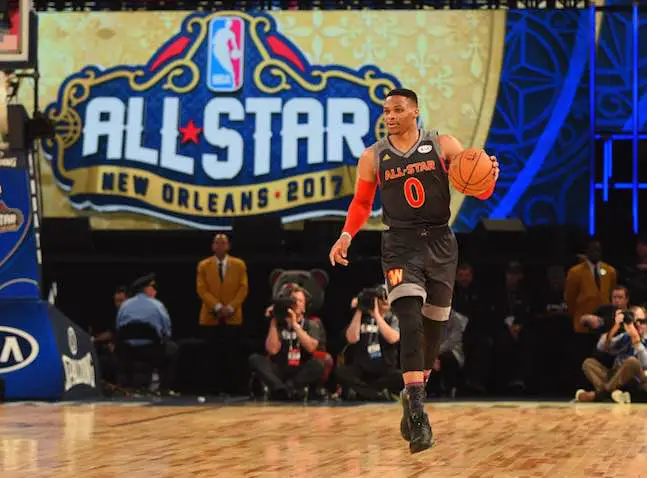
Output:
x,y
339,251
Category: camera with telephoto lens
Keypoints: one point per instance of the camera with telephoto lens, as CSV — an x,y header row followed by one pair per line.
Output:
x,y
629,317
280,310
366,298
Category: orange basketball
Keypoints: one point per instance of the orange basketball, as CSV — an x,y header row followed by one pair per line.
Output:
x,y
470,172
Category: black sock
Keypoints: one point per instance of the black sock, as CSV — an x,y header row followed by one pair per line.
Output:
x,y
416,393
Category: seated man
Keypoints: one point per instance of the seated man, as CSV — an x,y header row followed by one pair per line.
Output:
x,y
144,308
450,361
104,340
602,318
630,354
291,341
373,335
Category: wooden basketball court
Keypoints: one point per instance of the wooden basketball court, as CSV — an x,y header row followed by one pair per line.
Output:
x,y
249,440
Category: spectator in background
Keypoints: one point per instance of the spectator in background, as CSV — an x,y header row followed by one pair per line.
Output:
x,y
477,337
104,340
105,334
144,308
445,374
588,286
551,303
290,369
630,353
373,336
466,299
552,324
222,285
120,296
602,319
513,342
636,275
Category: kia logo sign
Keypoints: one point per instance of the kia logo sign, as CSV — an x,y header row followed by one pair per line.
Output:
x,y
17,349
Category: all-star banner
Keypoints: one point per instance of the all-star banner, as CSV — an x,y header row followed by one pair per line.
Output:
x,y
197,118
226,119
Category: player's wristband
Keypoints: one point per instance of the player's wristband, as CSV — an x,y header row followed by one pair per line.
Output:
x,y
347,234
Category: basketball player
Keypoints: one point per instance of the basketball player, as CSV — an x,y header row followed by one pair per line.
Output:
x,y
419,250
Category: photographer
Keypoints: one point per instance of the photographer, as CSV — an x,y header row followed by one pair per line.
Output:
x,y
373,334
630,358
291,340
601,320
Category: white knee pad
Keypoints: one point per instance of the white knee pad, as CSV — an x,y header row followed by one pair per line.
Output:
x,y
433,312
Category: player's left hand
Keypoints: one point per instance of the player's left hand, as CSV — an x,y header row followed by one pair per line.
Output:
x,y
495,167
339,251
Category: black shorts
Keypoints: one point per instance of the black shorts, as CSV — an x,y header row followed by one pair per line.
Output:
x,y
420,262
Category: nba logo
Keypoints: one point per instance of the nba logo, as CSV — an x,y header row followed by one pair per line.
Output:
x,y
226,54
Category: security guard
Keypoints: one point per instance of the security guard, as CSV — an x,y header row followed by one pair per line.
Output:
x,y
144,308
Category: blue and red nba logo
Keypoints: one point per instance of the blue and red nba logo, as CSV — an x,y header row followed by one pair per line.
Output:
x,y
226,54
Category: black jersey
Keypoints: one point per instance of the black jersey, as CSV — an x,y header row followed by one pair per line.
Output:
x,y
414,185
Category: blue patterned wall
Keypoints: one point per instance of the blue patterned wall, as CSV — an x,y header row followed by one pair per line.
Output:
x,y
540,125
540,128
614,71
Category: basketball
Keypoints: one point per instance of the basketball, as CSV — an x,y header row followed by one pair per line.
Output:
x,y
470,171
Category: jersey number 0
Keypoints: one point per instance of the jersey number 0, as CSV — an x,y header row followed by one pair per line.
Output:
x,y
414,192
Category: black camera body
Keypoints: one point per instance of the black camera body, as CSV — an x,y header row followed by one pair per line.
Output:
x,y
629,317
367,297
281,305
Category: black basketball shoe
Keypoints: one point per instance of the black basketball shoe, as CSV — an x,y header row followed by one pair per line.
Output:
x,y
420,435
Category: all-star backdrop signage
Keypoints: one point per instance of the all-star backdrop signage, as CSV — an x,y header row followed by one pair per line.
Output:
x,y
226,119
19,270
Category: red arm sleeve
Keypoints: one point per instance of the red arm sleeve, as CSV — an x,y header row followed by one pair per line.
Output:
x,y
486,194
360,206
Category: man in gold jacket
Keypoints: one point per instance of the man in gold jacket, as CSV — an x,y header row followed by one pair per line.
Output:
x,y
589,285
222,285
